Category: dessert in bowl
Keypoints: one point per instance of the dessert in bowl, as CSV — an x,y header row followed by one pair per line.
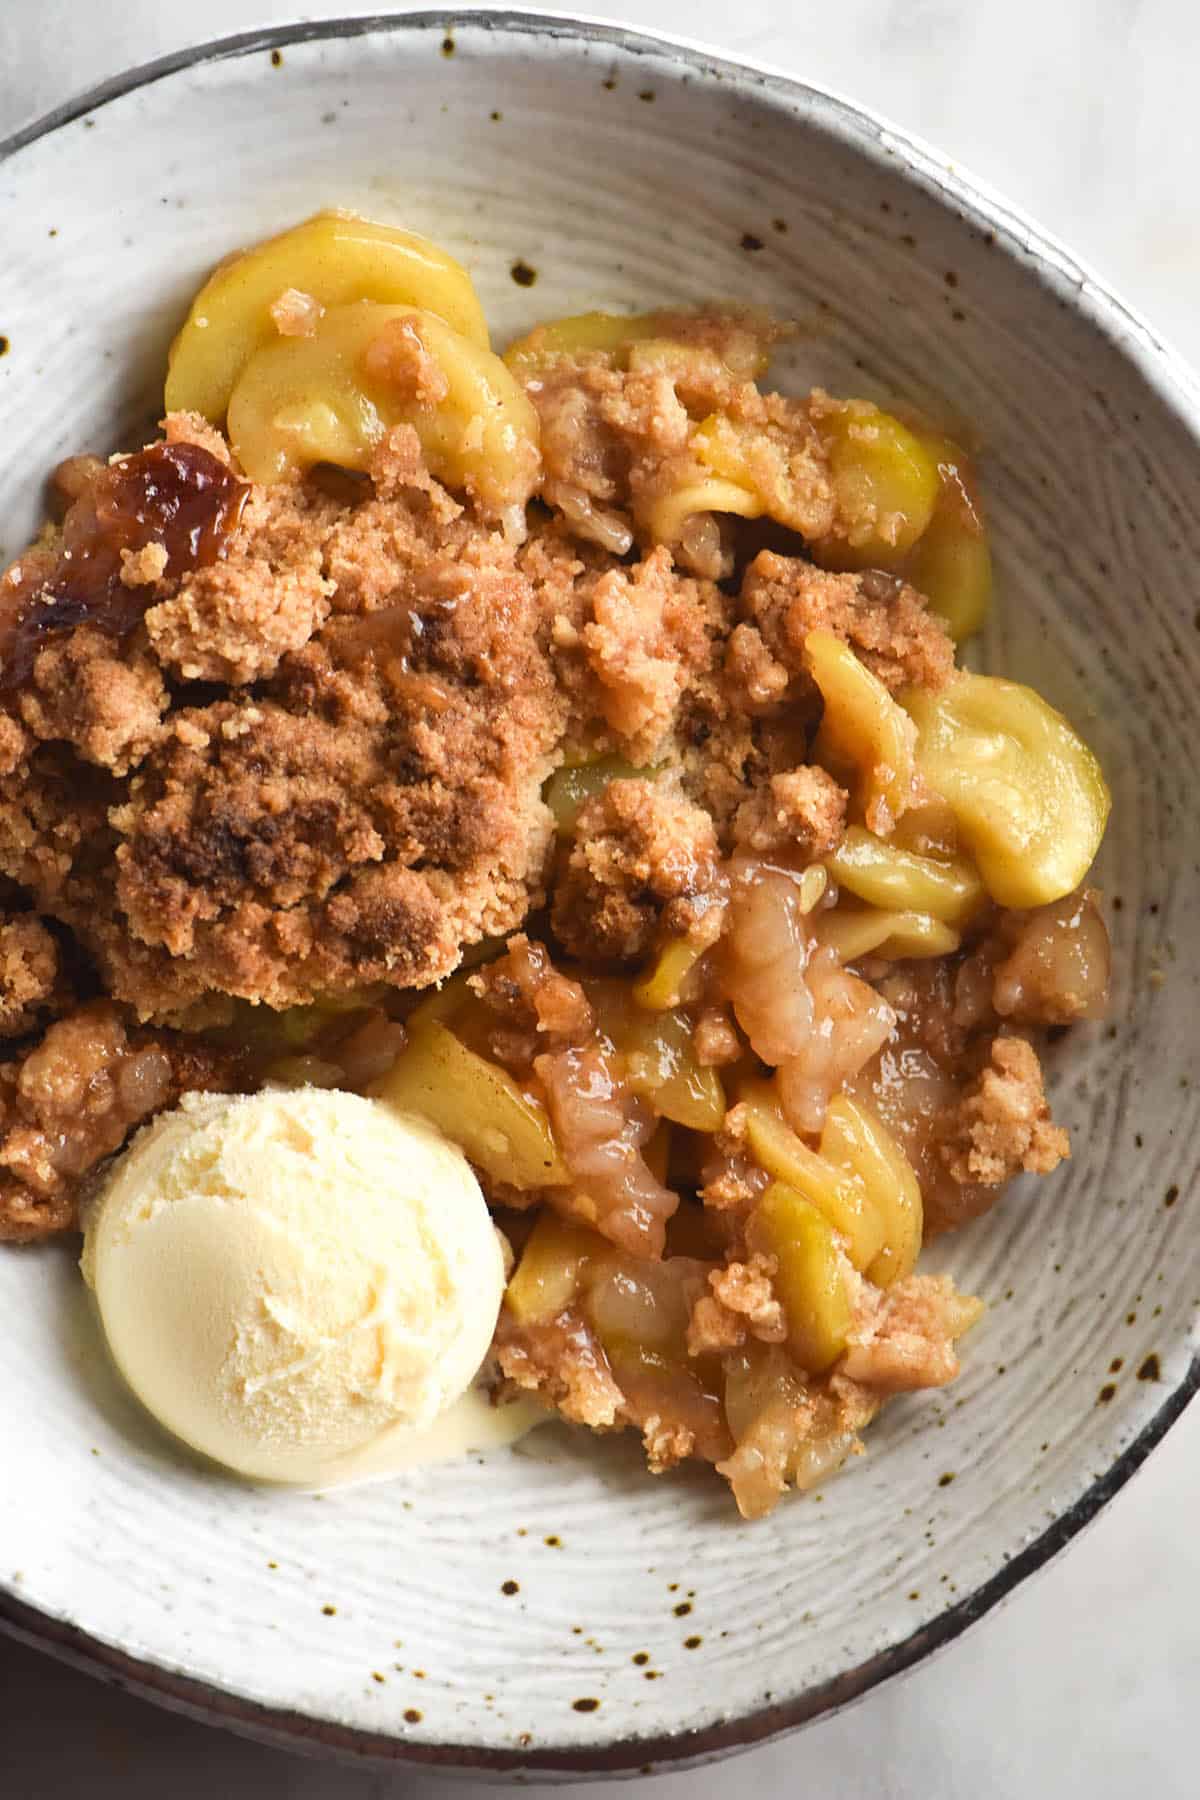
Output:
x,y
566,751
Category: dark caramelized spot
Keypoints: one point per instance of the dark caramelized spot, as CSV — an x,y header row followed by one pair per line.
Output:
x,y
178,496
750,241
586,1705
1150,1369
522,274
510,1587
1106,1393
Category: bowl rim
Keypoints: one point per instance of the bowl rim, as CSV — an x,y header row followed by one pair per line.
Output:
x,y
1168,374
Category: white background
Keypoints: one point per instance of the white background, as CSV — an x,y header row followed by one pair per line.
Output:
x,y
1085,112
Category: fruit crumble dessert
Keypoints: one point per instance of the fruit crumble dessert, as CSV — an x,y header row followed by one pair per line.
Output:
x,y
565,748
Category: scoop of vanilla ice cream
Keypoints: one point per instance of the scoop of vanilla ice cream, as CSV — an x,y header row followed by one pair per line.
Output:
x,y
288,1278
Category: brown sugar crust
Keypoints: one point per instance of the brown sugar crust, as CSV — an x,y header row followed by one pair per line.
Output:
x,y
74,1098
644,859
886,622
648,633
373,807
233,621
802,812
32,980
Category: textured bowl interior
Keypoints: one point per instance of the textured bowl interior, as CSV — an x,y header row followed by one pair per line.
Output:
x,y
626,174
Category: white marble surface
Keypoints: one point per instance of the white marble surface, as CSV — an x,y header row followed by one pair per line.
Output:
x,y
1082,111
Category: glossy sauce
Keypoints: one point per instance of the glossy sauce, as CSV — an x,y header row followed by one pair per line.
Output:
x,y
177,496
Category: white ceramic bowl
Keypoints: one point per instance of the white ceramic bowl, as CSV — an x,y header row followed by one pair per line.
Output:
x,y
466,1616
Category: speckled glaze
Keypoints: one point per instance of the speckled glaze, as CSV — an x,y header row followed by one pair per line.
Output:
x,y
552,1608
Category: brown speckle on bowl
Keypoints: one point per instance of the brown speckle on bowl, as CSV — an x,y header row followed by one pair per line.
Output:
x,y
1106,1393
950,278
523,274
1150,1370
946,1479
750,242
496,117
610,83
1116,1365
692,1643
586,1705
412,1716
448,45
329,1611
683,1609
510,1587
915,1594
553,1541
376,1676
277,59
651,1674
640,1658
779,225
5,346
647,94
1171,1195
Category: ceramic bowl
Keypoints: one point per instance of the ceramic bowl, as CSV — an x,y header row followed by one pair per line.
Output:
x,y
552,1608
